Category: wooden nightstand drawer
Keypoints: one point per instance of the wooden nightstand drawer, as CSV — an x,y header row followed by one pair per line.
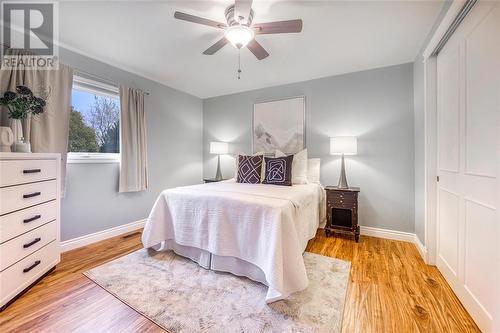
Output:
x,y
342,195
343,203
341,199
212,180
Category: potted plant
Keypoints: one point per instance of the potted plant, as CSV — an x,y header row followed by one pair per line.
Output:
x,y
21,104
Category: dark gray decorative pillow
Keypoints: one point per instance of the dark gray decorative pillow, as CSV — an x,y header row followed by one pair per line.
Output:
x,y
249,168
278,170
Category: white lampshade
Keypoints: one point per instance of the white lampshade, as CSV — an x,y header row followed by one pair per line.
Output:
x,y
347,145
219,148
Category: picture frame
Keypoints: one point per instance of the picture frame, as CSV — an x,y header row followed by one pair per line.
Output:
x,y
279,125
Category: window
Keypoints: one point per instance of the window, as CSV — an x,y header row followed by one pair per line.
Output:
x,y
94,126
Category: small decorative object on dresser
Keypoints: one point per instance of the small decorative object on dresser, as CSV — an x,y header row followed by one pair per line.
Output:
x,y
6,139
219,148
342,210
29,220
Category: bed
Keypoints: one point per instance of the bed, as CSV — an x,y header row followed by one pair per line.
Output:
x,y
254,230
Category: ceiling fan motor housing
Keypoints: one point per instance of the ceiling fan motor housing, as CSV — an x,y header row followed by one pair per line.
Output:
x,y
231,20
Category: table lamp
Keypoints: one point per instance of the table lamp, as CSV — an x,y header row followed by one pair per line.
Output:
x,y
343,145
218,148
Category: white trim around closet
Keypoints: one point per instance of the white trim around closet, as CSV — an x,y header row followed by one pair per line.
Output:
x,y
452,12
430,132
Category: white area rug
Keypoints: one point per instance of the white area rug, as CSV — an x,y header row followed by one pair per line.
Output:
x,y
181,296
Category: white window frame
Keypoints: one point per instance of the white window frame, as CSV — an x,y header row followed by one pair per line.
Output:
x,y
101,89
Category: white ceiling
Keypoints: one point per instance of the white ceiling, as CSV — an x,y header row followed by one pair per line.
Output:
x,y
337,37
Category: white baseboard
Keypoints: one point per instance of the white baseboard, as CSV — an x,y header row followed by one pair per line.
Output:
x,y
75,243
421,248
396,235
388,234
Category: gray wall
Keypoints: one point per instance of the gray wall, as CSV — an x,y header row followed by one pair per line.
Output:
x,y
418,92
174,139
375,105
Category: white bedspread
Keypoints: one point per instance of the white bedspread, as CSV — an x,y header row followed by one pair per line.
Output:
x,y
265,225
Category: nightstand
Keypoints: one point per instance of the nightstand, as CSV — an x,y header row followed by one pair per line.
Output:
x,y
212,180
342,211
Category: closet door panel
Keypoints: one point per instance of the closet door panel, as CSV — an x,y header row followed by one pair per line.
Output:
x,y
481,96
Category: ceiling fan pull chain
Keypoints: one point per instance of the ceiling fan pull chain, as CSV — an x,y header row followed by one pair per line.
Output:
x,y
239,63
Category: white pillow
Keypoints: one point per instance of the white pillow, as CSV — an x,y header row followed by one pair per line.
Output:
x,y
299,166
313,170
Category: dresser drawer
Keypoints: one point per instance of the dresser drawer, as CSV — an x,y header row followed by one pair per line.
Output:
x,y
20,275
26,171
18,197
23,245
20,222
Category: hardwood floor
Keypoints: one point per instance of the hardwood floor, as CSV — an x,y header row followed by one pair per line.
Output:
x,y
390,290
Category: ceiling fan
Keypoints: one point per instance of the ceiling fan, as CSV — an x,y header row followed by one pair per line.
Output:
x,y
239,30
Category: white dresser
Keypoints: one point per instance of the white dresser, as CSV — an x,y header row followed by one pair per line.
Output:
x,y
29,220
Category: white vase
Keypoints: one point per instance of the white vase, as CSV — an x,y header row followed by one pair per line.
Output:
x,y
17,129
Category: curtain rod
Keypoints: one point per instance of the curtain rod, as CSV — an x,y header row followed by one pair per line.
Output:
x,y
106,80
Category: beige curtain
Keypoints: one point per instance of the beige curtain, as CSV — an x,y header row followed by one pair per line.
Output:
x,y
47,132
133,150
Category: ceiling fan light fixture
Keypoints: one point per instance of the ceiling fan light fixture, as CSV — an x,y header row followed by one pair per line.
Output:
x,y
239,35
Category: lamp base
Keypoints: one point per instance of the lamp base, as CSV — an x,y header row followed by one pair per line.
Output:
x,y
342,179
218,174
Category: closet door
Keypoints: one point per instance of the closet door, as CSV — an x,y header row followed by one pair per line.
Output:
x,y
468,162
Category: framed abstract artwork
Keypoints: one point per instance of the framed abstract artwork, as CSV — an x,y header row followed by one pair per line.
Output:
x,y
279,124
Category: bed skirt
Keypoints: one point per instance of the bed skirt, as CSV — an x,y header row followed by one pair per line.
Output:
x,y
214,262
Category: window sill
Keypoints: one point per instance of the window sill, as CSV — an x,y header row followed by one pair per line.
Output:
x,y
92,158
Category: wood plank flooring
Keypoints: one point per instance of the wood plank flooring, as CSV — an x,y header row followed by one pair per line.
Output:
x,y
390,290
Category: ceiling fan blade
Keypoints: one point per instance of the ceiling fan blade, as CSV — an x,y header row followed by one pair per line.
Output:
x,y
242,10
257,49
216,47
199,20
280,27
